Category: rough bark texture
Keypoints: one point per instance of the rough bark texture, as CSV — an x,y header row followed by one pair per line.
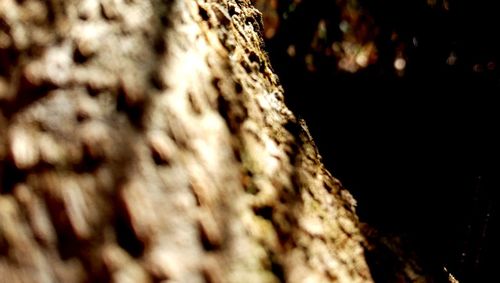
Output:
x,y
148,141
144,141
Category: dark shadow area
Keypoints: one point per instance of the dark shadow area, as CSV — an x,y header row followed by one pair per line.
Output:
x,y
409,145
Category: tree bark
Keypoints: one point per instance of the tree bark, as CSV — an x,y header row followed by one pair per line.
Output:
x,y
148,141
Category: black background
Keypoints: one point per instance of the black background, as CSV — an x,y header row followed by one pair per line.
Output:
x,y
420,152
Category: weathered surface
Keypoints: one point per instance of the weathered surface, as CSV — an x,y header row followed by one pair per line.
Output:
x,y
144,141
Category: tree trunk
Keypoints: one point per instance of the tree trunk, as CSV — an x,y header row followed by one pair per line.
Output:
x,y
148,141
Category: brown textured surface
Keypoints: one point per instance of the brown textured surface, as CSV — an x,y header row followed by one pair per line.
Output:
x,y
144,141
